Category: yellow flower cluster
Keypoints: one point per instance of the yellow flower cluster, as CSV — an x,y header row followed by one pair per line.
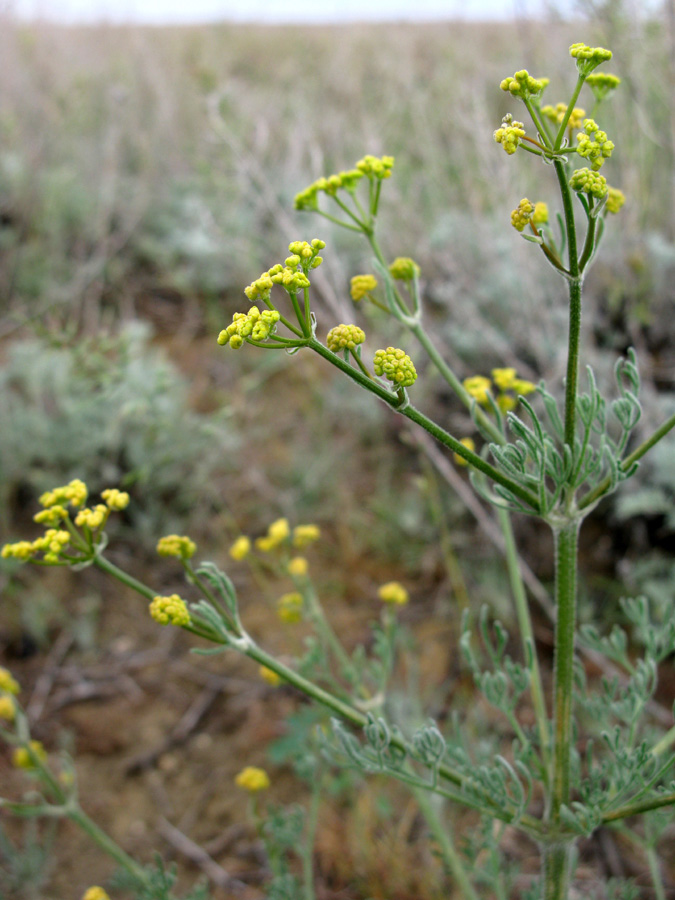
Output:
x,y
95,893
115,499
615,199
594,144
557,114
470,444
303,535
75,493
178,545
404,269
602,83
376,167
505,379
370,167
170,610
581,51
289,607
51,545
345,337
521,215
589,182
396,366
523,85
23,757
252,779
361,285
8,683
254,325
478,387
509,134
277,533
93,518
393,592
241,548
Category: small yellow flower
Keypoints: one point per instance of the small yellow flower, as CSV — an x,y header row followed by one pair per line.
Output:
x,y
540,214
506,402
504,378
520,386
176,545
345,337
509,134
393,592
7,682
477,387
615,200
22,758
95,893
470,444
7,708
298,567
361,285
289,607
241,548
269,676
115,499
305,534
170,610
252,779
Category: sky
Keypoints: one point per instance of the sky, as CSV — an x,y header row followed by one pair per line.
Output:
x,y
277,11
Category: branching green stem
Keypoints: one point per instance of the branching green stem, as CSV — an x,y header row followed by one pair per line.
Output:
x,y
629,461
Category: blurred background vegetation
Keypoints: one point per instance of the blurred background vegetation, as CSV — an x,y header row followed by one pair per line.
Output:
x,y
148,174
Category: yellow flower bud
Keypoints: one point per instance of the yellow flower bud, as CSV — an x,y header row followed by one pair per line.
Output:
x,y
477,387
23,757
180,546
504,378
361,285
269,676
7,707
252,779
7,682
115,499
298,567
170,610
95,893
241,547
470,445
289,607
305,534
393,592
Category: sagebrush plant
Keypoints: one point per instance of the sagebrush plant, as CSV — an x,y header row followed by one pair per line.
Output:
x,y
587,757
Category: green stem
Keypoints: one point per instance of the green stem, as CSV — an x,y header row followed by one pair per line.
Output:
x,y
637,454
339,222
665,743
635,809
589,243
568,113
360,363
444,838
566,545
557,864
108,845
538,123
487,424
575,308
420,419
325,630
527,636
